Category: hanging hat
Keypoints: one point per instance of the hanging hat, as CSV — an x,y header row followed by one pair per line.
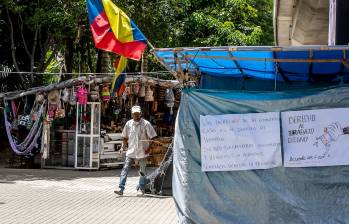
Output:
x,y
39,98
53,97
98,80
136,109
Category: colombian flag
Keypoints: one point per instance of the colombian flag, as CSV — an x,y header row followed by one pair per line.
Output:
x,y
114,31
118,84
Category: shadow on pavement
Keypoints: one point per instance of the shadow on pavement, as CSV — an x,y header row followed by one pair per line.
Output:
x,y
144,196
8,175
6,182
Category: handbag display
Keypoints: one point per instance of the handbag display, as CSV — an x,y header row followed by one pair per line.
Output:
x,y
60,112
25,121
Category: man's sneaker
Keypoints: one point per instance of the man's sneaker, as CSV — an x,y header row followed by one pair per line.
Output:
x,y
119,192
140,193
141,173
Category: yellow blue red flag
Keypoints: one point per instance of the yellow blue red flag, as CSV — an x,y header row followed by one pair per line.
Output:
x,y
114,31
119,81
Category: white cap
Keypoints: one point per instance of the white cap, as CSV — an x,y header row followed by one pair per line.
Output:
x,y
136,109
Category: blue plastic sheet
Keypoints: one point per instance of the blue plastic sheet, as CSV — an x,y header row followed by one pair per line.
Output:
x,y
279,195
310,64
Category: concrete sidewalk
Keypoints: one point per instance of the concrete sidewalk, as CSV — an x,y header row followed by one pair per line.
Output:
x,y
69,196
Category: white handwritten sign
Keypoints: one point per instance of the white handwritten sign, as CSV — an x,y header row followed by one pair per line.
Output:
x,y
240,141
316,137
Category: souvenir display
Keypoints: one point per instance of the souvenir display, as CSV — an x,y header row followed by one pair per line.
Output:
x,y
54,118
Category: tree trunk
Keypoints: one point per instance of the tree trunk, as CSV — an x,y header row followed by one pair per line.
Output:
x,y
13,48
99,61
105,62
69,57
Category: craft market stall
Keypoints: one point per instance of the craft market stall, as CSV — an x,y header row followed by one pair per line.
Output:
x,y
78,123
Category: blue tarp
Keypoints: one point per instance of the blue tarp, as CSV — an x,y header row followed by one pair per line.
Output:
x,y
279,195
310,64
238,80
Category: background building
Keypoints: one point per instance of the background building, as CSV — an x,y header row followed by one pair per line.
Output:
x,y
311,22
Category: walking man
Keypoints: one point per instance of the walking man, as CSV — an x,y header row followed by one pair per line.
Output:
x,y
136,135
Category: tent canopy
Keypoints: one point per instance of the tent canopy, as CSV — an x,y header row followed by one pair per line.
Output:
x,y
286,64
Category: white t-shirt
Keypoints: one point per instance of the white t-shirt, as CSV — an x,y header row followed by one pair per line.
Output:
x,y
137,134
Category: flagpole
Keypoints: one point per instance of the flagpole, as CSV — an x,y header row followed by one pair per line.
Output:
x,y
151,46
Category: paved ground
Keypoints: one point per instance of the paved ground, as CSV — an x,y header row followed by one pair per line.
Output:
x,y
66,196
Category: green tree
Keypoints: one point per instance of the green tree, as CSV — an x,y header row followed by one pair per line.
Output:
x,y
34,33
39,31
223,23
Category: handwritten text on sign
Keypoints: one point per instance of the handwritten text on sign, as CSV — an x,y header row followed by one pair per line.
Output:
x,y
316,137
240,141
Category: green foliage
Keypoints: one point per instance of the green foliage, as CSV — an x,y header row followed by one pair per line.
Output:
x,y
64,27
224,23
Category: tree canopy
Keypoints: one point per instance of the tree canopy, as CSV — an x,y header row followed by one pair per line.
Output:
x,y
54,35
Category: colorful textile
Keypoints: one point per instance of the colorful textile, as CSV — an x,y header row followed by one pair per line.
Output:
x,y
105,94
119,81
114,31
81,95
31,140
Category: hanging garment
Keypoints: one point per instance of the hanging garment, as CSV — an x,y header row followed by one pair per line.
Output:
x,y
45,141
149,97
128,91
154,107
14,108
105,94
65,95
135,88
72,99
169,99
81,94
142,91
33,113
94,94
161,93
